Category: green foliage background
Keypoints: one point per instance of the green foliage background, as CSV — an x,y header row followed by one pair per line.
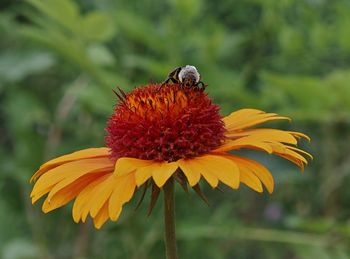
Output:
x,y
59,60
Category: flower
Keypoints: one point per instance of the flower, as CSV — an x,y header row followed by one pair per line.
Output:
x,y
157,132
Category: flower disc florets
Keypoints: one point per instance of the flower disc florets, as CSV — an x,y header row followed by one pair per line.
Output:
x,y
164,123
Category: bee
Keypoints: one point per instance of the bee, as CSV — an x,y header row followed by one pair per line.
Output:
x,y
186,76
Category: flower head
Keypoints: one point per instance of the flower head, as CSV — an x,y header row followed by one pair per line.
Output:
x,y
164,124
157,132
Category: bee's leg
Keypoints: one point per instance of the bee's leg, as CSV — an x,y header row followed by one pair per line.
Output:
x,y
182,85
201,85
173,80
172,77
166,81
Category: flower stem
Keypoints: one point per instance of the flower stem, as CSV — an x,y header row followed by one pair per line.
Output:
x,y
169,220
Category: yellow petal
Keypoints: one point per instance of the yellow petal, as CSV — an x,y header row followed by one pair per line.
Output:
x,y
163,172
159,171
78,155
240,115
189,170
291,153
250,179
259,170
301,151
65,195
126,165
196,166
269,143
73,178
82,203
244,143
102,193
102,216
65,171
272,141
222,168
122,193
300,135
209,177
144,173
246,118
266,135
293,157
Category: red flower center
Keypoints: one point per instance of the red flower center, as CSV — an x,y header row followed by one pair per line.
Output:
x,y
164,124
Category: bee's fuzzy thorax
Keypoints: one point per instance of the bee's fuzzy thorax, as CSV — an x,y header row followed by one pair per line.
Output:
x,y
189,70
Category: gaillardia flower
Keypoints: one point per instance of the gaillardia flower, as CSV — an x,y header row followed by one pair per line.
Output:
x,y
158,132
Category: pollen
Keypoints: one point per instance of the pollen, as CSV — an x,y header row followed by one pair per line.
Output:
x,y
164,123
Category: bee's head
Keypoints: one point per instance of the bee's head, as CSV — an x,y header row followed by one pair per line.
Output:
x,y
189,75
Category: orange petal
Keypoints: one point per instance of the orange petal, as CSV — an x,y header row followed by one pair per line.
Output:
x,y
78,155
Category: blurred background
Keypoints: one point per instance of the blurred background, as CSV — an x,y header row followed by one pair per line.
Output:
x,y
59,60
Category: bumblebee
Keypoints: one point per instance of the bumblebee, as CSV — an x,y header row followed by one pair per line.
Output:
x,y
186,76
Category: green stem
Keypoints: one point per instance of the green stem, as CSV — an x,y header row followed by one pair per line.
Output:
x,y
169,220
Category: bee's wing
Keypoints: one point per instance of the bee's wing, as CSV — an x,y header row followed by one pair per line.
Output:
x,y
173,76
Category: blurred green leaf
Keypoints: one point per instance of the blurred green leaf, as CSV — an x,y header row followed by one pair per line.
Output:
x,y
15,66
97,26
100,55
64,12
60,60
20,249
